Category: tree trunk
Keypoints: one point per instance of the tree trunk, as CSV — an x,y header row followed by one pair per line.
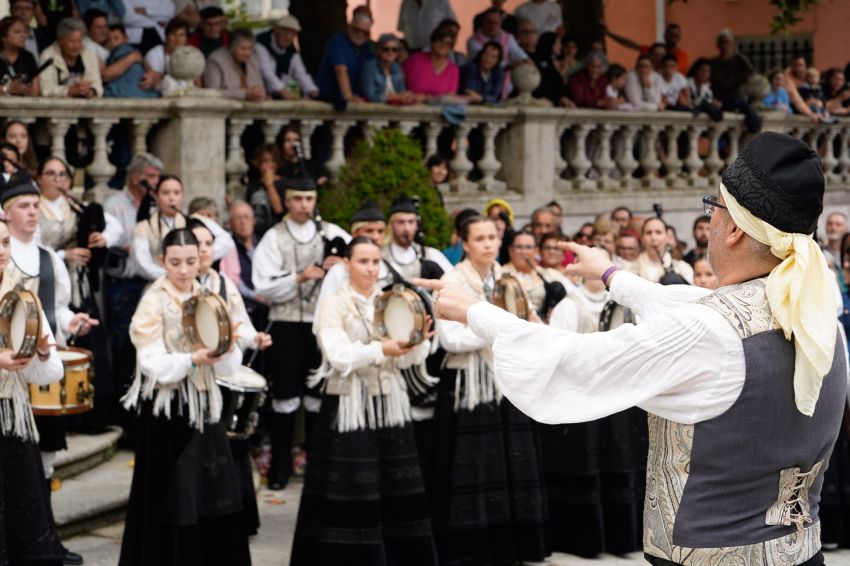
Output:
x,y
581,18
319,20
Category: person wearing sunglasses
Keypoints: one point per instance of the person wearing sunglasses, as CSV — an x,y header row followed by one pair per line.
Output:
x,y
382,79
341,64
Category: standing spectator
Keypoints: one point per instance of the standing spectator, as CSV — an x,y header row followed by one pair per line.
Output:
x,y
343,60
527,36
628,248
37,40
836,228
133,82
509,21
622,217
546,57
481,78
674,85
17,65
836,92
238,264
795,77
417,19
114,9
212,33
50,12
97,35
491,30
777,99
234,70
74,71
438,167
157,59
15,132
262,194
701,233
545,14
432,73
281,63
656,53
672,38
544,221
587,87
382,78
145,21
729,73
644,88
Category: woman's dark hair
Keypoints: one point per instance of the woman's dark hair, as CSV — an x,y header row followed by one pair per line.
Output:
x,y
615,71
356,241
698,64
648,220
179,237
165,178
437,159
643,57
175,24
195,223
510,237
467,224
462,216
545,43
489,45
12,148
6,24
40,170
93,14
440,34
281,135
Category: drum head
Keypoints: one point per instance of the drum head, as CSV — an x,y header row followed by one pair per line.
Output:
x,y
18,326
72,355
398,319
244,379
206,324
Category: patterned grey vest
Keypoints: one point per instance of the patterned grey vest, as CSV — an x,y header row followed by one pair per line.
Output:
x,y
743,488
297,256
409,271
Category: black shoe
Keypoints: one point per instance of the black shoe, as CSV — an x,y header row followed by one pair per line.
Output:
x,y
71,558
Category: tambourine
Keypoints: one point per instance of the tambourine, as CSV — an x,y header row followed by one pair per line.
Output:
x,y
20,322
614,315
400,314
207,323
509,295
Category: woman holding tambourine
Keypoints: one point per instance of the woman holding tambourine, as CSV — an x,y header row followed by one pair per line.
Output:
x,y
486,488
27,532
363,480
185,506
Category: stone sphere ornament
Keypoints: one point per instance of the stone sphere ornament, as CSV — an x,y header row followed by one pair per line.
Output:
x,y
526,78
186,63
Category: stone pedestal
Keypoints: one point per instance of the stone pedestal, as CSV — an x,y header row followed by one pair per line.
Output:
x,y
528,162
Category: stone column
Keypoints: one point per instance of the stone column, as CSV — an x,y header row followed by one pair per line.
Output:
x,y
236,163
625,156
527,151
58,129
488,164
432,132
579,162
461,165
100,169
338,130
141,127
307,127
649,160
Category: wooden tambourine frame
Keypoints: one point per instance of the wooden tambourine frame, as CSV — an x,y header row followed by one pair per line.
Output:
x,y
508,292
195,328
414,304
20,322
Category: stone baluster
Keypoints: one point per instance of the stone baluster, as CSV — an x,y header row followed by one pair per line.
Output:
x,y
672,163
338,130
602,160
713,163
693,161
271,128
461,165
649,160
432,133
489,164
626,162
58,129
307,127
406,126
141,127
578,160
100,169
235,165
830,162
369,128
558,158
734,144
843,171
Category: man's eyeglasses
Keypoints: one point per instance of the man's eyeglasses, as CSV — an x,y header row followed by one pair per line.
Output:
x,y
710,204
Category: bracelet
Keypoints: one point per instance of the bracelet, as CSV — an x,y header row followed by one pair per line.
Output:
x,y
606,276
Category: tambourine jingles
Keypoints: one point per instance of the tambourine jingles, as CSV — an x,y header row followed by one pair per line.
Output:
x,y
509,295
614,315
400,314
20,322
207,322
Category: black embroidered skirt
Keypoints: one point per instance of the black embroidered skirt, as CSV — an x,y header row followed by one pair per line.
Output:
x,y
486,488
27,532
241,449
294,355
363,501
834,508
185,507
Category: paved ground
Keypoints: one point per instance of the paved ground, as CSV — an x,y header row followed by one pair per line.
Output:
x,y
271,546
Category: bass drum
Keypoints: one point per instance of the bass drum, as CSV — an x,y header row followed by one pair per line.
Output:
x,y
242,394
74,393
614,315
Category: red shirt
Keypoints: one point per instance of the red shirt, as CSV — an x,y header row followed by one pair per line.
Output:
x,y
584,93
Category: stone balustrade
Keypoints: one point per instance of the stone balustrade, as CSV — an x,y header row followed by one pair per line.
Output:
x,y
586,159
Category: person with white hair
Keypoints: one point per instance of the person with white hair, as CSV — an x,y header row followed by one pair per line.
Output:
x,y
74,71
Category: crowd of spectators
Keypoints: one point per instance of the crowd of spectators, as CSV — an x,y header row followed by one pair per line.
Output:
x,y
92,48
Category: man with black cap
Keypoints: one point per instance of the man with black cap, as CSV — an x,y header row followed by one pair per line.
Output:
x,y
404,250
40,270
289,264
744,386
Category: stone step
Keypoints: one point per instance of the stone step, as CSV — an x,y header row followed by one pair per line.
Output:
x,y
86,451
94,498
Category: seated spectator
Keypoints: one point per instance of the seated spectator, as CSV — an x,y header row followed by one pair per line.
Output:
x,y
568,62
97,36
777,99
404,52
36,40
382,78
432,73
453,28
509,21
795,77
699,89
545,14
812,93
674,85
234,70
836,92
527,36
656,53
156,60
17,65
132,82
145,21
491,30
615,92
211,34
342,62
586,88
729,73
417,19
672,38
16,133
74,71
280,62
644,87
481,79
546,58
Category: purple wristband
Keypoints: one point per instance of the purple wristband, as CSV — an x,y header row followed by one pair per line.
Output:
x,y
606,276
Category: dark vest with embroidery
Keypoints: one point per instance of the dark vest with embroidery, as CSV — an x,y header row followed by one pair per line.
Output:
x,y
282,60
743,488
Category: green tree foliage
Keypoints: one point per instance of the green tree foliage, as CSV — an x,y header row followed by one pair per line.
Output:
x,y
382,171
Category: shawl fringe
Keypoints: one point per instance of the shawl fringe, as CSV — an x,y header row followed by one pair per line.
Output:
x,y
475,384
16,417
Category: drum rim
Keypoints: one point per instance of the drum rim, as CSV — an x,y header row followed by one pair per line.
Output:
x,y
407,294
227,384
15,296
89,359
225,324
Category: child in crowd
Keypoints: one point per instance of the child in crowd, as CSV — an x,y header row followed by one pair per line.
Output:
x,y
777,98
674,85
127,85
615,95
812,93
699,90
704,275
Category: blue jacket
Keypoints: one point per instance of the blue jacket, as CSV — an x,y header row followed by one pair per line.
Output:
x,y
373,81
127,85
490,89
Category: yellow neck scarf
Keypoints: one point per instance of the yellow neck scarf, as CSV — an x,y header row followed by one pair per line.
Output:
x,y
801,297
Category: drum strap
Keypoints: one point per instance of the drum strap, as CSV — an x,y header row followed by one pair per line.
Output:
x,y
222,288
397,277
47,291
